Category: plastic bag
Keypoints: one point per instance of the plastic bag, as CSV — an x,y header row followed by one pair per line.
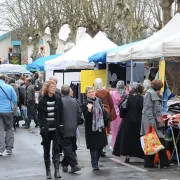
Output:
x,y
150,142
109,147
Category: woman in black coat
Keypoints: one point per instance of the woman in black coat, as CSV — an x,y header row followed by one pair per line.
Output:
x,y
50,111
95,133
128,138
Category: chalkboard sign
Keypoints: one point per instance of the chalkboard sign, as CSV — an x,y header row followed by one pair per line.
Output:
x,y
14,58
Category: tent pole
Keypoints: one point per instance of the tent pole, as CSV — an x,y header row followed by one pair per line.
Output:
x,y
131,72
63,76
107,71
96,66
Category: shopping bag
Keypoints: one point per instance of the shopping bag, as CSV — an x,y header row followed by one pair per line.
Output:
x,y
108,146
150,142
156,158
24,111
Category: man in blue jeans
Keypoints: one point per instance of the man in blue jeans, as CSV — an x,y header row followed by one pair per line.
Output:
x,y
7,95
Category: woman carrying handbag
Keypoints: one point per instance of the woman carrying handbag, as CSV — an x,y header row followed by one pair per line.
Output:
x,y
152,116
128,138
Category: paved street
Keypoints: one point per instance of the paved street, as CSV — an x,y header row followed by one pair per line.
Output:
x,y
27,163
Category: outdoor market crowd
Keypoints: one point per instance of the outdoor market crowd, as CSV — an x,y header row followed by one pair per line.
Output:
x,y
125,112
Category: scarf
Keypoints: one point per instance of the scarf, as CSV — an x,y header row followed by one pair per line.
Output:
x,y
98,120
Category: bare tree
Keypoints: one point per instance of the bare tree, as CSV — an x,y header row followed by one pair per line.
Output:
x,y
54,13
26,18
166,10
178,6
73,13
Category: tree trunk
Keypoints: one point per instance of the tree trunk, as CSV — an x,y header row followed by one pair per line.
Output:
x,y
53,44
72,35
92,28
36,46
178,6
24,57
166,10
172,75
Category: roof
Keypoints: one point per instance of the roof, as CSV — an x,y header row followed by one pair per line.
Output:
x,y
4,36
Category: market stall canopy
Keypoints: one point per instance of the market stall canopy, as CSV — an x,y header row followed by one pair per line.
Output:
x,y
100,57
75,58
106,44
13,69
169,48
151,47
38,64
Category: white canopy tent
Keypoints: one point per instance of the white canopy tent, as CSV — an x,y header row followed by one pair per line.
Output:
x,y
13,69
73,59
101,43
163,43
77,57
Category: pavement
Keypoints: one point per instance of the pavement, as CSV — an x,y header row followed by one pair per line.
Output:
x,y
26,163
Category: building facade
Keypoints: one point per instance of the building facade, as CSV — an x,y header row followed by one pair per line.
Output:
x,y
12,50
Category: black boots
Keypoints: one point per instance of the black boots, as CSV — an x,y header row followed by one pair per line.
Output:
x,y
47,165
56,160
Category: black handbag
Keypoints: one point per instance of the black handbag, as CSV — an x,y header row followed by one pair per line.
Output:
x,y
124,104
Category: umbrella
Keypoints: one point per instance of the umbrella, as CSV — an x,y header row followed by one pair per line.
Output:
x,y
38,64
13,69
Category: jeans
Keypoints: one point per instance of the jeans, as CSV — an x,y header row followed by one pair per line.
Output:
x,y
6,132
95,156
32,113
69,157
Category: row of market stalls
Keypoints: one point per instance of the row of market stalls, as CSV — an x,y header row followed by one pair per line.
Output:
x,y
99,57
89,53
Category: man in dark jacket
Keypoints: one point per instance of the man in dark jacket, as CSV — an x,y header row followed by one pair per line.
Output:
x,y
71,115
30,103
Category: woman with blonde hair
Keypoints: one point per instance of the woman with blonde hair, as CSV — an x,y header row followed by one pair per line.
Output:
x,y
50,113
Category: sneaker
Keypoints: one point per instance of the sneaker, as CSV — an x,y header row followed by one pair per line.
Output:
x,y
103,154
1,154
75,169
96,169
9,152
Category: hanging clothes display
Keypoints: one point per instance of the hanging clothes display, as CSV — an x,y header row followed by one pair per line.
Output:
x,y
76,87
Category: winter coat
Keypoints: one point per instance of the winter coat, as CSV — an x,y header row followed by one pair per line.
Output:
x,y
128,137
94,139
16,90
117,99
29,95
107,101
42,112
22,89
152,108
38,84
71,115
